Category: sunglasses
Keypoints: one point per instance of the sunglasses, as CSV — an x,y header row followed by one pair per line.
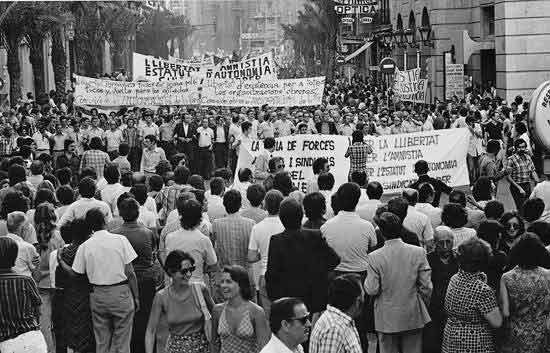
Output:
x,y
185,271
303,320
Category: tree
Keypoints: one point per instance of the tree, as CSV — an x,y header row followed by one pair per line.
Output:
x,y
314,35
157,30
11,38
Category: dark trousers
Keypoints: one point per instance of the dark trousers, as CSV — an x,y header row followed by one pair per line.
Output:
x,y
146,287
134,157
57,321
169,149
518,198
205,162
220,155
188,148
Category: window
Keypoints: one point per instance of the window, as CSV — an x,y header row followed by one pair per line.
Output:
x,y
488,20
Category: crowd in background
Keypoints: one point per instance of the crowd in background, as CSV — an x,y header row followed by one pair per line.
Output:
x,y
133,231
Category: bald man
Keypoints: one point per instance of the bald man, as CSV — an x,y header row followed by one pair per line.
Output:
x,y
444,265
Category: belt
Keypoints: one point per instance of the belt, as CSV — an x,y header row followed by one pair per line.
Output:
x,y
111,285
58,150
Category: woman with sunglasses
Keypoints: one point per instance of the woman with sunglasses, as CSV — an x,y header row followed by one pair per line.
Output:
x,y
180,307
514,227
239,325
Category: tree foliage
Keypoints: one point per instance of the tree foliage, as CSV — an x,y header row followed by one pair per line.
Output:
x,y
314,36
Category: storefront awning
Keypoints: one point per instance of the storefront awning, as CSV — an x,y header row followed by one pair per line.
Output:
x,y
358,51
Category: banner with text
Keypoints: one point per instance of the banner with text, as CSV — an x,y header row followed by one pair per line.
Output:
x,y
149,68
454,80
391,163
276,93
258,67
91,91
409,87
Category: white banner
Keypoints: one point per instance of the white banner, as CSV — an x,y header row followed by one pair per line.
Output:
x,y
275,93
408,86
258,67
149,68
454,80
391,163
91,91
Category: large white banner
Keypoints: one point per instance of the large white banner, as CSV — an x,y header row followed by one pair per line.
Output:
x,y
258,67
255,93
91,91
149,68
409,87
391,163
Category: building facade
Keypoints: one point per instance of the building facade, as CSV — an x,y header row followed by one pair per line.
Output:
x,y
503,43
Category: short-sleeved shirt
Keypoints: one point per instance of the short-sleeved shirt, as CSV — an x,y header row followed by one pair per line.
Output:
x,y
197,245
259,238
142,241
358,153
27,256
521,168
103,258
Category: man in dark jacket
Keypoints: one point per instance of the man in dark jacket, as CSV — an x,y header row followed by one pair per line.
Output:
x,y
299,261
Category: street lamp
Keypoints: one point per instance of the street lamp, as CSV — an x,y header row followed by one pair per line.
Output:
x,y
399,39
426,36
410,35
69,37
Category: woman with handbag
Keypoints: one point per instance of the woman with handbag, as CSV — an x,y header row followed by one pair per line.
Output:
x,y
239,325
186,307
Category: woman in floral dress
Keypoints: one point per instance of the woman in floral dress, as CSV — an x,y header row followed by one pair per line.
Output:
x,y
525,296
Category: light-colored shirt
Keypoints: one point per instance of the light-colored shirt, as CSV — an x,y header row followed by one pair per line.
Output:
x,y
216,209
433,213
462,234
103,258
79,208
205,136
110,194
335,331
351,238
41,141
419,224
275,345
284,127
27,257
113,139
197,245
367,211
147,218
260,236
542,191
220,134
151,158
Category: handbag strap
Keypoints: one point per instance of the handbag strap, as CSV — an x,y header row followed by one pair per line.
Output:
x,y
202,303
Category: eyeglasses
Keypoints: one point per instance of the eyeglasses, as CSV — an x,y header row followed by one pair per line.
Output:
x,y
185,271
303,320
511,226
280,166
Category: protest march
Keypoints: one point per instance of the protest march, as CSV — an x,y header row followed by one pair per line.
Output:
x,y
205,204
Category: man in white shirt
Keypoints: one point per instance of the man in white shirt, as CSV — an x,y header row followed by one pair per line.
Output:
x,y
149,128
41,139
79,208
113,139
426,195
542,191
259,241
106,259
113,189
288,331
417,222
205,136
368,209
28,260
283,126
216,209
151,156
351,237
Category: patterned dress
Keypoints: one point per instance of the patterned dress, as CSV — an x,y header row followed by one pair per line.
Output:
x,y
243,340
76,307
525,330
467,301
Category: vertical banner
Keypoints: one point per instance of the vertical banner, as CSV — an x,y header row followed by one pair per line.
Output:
x,y
391,163
409,87
454,80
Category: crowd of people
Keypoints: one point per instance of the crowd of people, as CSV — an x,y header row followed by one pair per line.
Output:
x,y
135,231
